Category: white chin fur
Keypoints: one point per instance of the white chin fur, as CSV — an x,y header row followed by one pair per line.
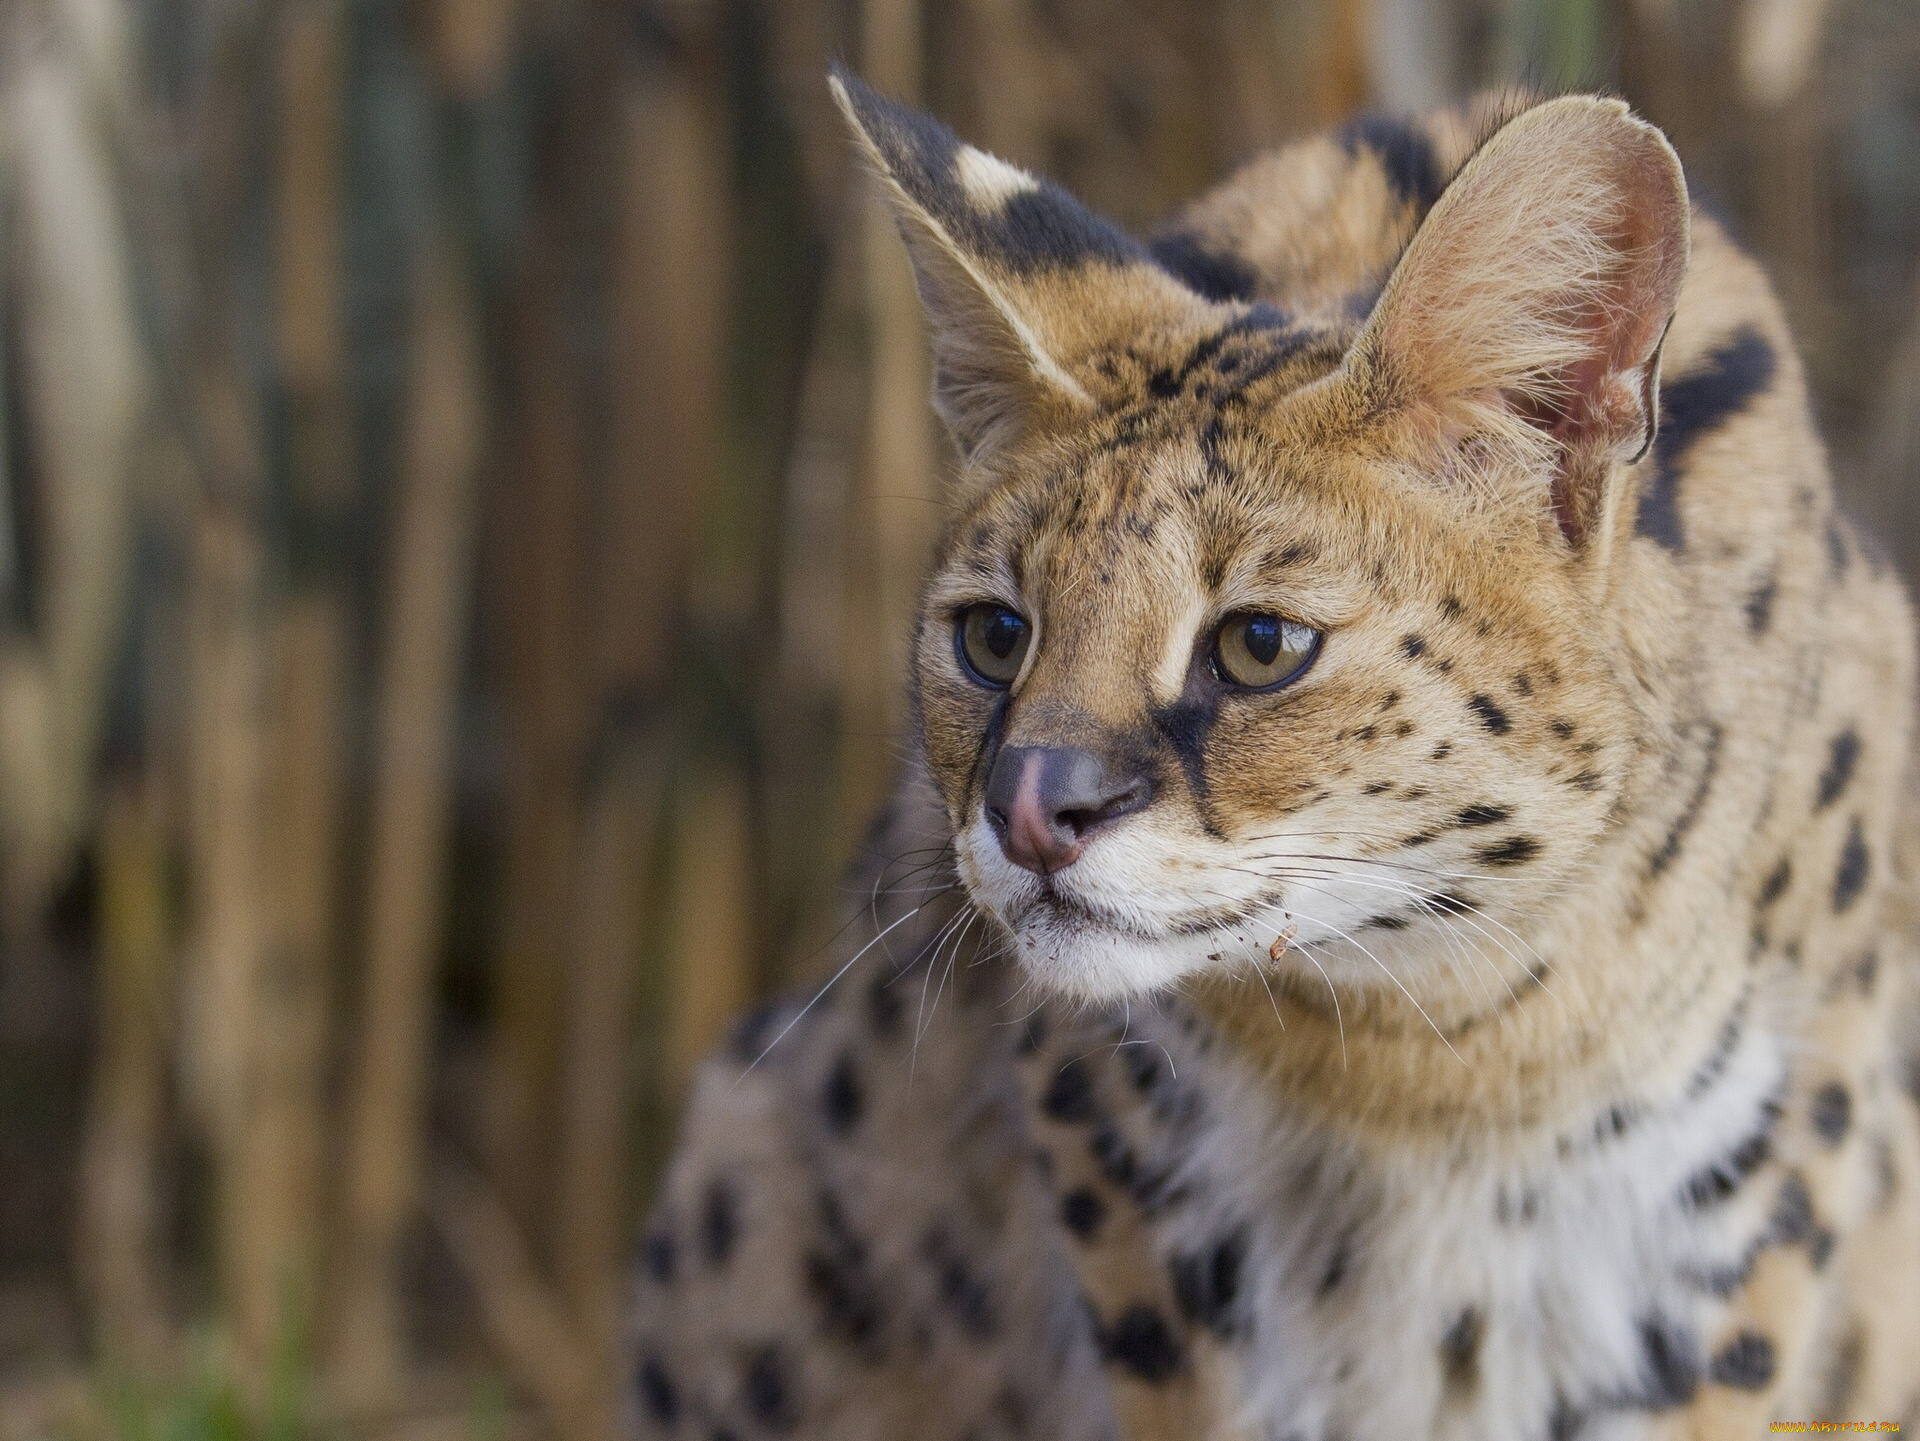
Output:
x,y
1104,943
1116,925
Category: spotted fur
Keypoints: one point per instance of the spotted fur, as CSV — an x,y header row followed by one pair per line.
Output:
x,y
1500,1031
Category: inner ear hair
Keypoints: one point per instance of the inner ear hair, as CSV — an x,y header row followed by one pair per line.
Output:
x,y
1530,306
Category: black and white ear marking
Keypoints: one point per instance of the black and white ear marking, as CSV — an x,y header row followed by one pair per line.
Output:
x,y
999,214
1021,281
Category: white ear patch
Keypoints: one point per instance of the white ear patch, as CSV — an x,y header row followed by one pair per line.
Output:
x,y
988,180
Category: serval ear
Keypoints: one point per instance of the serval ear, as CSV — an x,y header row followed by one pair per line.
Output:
x,y
1529,308
1021,282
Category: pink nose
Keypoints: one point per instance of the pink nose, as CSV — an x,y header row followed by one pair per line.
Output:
x,y
1043,801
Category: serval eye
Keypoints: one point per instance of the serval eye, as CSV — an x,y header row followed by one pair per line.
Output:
x,y
1263,652
992,642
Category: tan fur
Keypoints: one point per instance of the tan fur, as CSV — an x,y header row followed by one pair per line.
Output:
x,y
1617,733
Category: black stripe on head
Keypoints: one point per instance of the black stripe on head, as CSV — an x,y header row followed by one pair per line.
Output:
x,y
1692,408
1032,230
1210,272
1405,153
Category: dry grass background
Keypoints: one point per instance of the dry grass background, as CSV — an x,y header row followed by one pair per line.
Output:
x,y
464,471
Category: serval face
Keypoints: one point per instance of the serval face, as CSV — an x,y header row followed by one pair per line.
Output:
x,y
1271,642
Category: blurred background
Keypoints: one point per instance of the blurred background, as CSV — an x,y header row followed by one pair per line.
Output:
x,y
464,473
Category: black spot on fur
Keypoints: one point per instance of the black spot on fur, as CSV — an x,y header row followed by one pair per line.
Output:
x,y
1142,1344
1851,878
1443,750
1820,1248
753,1031
658,1394
839,1280
1144,1066
1386,923
1715,1183
883,1007
1673,1364
843,1100
659,1255
1760,605
767,1391
1206,1284
1113,1155
1792,1219
1082,1211
963,1291
1491,716
1033,1035
1336,1271
1732,1027
1832,1112
1377,788
1447,904
1414,646
1693,407
1775,885
1513,851
1842,756
1483,816
719,1223
1069,1097
1460,1351
1562,728
1405,154
1746,1363
1206,269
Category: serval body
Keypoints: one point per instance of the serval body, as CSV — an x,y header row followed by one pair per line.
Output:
x,y
1398,923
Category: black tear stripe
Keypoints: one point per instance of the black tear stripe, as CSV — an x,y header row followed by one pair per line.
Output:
x,y
1035,230
1405,153
1692,407
1186,725
1209,271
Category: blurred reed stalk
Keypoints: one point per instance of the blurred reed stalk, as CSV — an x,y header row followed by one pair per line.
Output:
x,y
385,1122
83,379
